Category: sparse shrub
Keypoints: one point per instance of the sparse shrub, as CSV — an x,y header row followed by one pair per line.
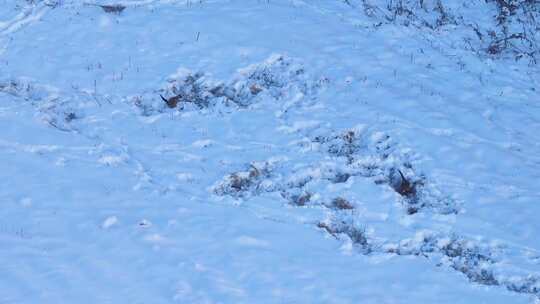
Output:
x,y
513,29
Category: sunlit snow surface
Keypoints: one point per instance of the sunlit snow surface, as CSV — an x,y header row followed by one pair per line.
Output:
x,y
277,183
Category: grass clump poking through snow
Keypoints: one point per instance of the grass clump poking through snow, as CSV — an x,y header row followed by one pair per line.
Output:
x,y
478,262
301,199
345,144
53,109
339,203
246,183
376,156
348,228
189,88
279,76
184,90
276,78
472,260
528,285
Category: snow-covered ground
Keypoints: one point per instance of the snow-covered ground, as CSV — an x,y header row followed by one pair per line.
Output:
x,y
323,157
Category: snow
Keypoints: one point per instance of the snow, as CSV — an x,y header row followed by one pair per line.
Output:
x,y
320,158
109,222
